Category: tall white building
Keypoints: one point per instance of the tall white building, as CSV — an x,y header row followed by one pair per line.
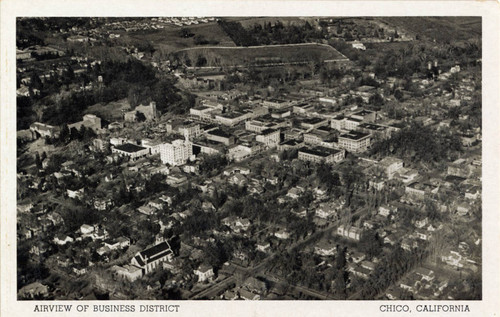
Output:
x,y
176,153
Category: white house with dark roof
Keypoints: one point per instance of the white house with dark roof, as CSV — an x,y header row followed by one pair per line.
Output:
x,y
151,258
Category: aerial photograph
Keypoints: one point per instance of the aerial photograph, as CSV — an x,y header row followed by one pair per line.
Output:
x,y
249,158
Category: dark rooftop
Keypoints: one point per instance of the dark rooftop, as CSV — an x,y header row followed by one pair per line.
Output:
x,y
319,151
354,135
363,112
268,131
155,250
129,147
220,133
372,126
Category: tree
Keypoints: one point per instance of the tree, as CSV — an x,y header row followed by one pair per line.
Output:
x,y
398,95
201,61
139,116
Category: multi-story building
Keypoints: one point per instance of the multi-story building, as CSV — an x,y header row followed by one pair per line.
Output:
x,y
421,190
259,125
323,136
342,123
187,129
220,137
276,103
355,141
269,137
365,115
377,129
176,153
391,165
131,150
320,155
232,118
313,123
153,146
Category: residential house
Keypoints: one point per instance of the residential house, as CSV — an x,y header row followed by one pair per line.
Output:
x,y
204,272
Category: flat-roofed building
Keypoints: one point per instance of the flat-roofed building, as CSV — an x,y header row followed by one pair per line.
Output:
x,y
220,137
319,155
176,153
313,123
323,136
355,141
188,129
303,108
391,165
269,137
131,150
342,123
365,115
232,118
276,103
290,144
421,190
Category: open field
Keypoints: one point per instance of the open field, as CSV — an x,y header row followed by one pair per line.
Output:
x,y
168,39
262,55
441,29
111,111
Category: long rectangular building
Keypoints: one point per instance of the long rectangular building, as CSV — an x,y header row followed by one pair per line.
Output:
x,y
319,155
355,141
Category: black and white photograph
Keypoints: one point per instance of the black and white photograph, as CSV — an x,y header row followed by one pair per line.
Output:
x,y
249,158
298,158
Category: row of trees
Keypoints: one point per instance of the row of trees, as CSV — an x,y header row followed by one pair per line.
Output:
x,y
268,33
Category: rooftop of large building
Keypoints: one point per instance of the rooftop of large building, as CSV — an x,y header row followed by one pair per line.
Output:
x,y
130,148
354,135
371,126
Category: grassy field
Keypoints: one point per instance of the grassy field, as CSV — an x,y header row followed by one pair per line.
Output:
x,y
441,29
217,56
168,39
111,111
